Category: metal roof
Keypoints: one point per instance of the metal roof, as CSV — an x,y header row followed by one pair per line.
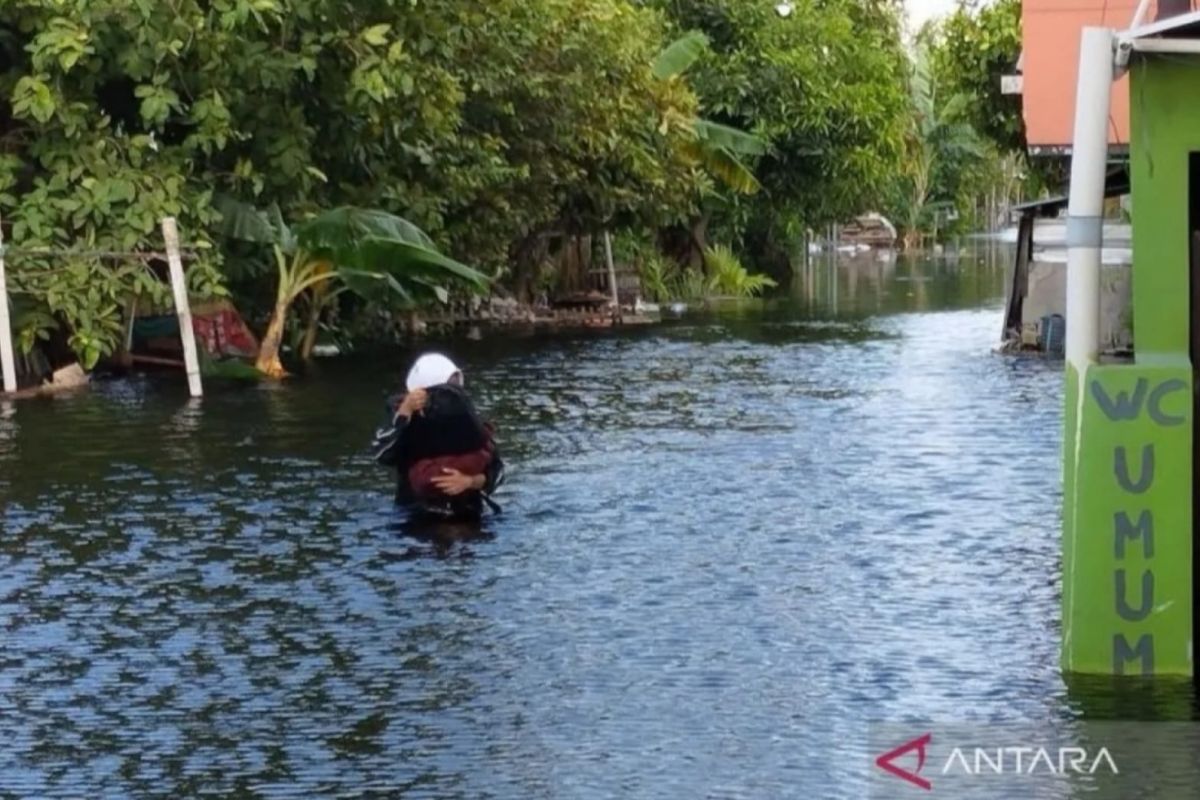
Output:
x,y
1171,27
1116,183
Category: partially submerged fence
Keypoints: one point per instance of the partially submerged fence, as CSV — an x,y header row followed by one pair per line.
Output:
x,y
172,256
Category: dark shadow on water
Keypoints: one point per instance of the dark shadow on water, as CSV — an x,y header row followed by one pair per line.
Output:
x,y
437,536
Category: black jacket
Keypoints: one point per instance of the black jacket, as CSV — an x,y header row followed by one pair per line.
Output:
x,y
400,442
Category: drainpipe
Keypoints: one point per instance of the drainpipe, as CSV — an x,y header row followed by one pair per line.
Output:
x,y
1085,209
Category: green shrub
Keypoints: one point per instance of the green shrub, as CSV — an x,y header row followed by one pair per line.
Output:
x,y
727,276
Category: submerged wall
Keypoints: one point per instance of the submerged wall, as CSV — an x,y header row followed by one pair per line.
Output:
x,y
1047,294
1127,480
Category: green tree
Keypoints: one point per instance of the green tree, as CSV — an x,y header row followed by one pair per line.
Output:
x,y
939,147
970,50
365,251
567,117
489,124
824,87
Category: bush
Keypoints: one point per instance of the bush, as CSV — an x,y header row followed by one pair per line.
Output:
x,y
729,278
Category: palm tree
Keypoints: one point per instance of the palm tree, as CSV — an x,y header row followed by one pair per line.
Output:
x,y
345,249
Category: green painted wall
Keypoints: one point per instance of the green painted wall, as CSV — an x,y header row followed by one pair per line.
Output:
x,y
1127,448
1127,545
1164,109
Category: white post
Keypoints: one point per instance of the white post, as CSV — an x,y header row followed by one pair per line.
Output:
x,y
1138,15
612,272
182,308
6,346
1085,209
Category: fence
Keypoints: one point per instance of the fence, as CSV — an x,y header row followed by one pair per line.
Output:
x,y
183,311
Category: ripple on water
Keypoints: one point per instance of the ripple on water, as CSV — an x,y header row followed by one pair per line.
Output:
x,y
727,547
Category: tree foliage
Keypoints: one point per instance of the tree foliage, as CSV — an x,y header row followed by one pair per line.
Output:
x,y
941,149
823,87
486,123
971,50
493,126
365,251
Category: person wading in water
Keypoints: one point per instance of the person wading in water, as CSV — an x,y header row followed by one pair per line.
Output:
x,y
444,453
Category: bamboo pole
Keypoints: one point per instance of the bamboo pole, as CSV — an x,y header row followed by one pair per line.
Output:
x,y
182,308
6,346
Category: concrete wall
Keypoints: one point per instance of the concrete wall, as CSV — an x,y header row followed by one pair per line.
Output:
x,y
1048,295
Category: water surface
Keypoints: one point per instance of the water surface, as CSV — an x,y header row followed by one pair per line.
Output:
x,y
729,543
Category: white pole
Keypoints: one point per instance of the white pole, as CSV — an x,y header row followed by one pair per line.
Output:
x,y
1142,7
6,346
182,309
1085,209
612,272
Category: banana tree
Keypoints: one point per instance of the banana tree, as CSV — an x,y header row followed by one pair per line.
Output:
x,y
365,251
937,134
719,148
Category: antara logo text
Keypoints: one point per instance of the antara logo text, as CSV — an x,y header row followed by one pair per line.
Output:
x,y
1010,760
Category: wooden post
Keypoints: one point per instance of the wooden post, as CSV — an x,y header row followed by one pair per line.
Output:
x,y
182,309
612,273
6,346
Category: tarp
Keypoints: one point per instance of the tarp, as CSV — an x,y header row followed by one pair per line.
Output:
x,y
219,329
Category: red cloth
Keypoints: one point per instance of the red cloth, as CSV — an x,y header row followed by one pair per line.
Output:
x,y
422,473
222,332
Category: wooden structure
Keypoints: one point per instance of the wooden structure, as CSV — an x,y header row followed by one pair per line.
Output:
x,y
1117,184
174,258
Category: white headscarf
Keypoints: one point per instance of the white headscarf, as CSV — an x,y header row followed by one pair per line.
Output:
x,y
431,369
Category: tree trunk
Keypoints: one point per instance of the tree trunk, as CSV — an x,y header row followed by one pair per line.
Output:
x,y
268,352
313,326
699,241
527,259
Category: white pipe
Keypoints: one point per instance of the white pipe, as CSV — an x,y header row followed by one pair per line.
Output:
x,y
1085,208
183,310
1184,46
6,346
1142,7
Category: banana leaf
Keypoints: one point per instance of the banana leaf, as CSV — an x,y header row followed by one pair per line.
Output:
x,y
243,222
726,166
733,139
341,230
404,260
371,285
679,55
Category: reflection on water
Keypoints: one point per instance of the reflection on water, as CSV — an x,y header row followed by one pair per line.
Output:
x,y
880,282
728,545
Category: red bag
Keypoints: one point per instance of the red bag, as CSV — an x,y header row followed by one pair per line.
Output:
x,y
422,473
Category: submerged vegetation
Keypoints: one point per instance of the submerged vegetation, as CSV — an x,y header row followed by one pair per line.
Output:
x,y
491,139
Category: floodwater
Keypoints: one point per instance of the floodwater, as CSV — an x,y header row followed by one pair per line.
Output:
x,y
729,544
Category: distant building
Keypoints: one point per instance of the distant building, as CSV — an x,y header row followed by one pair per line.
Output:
x,y
1049,66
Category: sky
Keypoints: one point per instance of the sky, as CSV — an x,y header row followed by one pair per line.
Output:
x,y
921,10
